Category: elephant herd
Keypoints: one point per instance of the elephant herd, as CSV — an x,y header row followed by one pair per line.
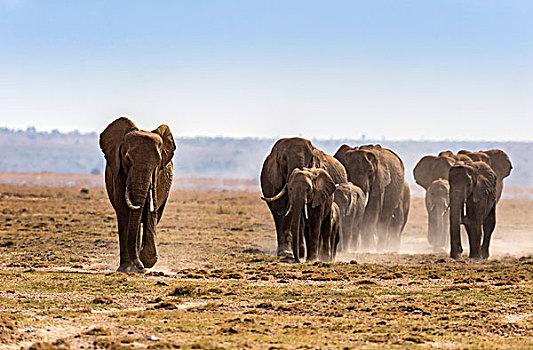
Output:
x,y
358,200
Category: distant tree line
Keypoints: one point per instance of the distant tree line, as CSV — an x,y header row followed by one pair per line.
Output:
x,y
219,157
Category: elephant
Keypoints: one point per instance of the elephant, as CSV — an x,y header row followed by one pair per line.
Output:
x,y
437,205
473,190
379,172
351,201
286,155
314,220
138,176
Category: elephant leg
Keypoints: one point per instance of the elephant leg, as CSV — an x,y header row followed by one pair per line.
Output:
x,y
474,239
356,231
348,229
334,240
314,239
148,252
125,264
385,231
346,233
488,228
395,230
326,233
369,227
284,235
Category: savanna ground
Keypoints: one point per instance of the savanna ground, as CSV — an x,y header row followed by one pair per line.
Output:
x,y
218,285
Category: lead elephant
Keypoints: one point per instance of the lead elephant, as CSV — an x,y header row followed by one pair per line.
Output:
x,y
286,155
379,172
351,201
472,188
138,177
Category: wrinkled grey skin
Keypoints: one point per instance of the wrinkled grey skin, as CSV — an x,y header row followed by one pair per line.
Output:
x,y
351,202
310,194
286,155
139,171
437,205
379,172
472,186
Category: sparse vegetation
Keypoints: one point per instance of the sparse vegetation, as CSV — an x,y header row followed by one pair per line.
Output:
x,y
218,286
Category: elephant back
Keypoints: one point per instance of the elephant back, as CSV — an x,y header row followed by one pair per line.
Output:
x,y
335,169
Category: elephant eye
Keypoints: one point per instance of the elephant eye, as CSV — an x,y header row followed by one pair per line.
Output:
x,y
128,159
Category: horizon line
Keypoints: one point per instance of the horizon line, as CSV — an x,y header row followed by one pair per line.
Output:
x,y
362,138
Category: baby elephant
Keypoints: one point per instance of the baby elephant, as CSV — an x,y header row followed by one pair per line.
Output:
x,y
314,220
351,201
437,205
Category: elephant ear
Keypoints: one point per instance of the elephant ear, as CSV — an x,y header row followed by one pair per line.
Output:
x,y
431,168
485,185
500,163
111,140
324,188
339,155
168,147
271,178
423,171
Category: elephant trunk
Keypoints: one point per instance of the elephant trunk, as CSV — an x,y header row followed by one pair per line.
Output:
x,y
139,194
457,200
297,229
148,254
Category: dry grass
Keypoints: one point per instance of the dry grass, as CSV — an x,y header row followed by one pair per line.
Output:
x,y
218,285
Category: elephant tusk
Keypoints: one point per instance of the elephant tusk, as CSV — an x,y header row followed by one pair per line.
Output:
x,y
366,199
152,206
288,210
464,209
128,201
305,212
276,197
446,209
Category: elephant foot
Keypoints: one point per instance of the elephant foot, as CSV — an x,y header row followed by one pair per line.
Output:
x,y
129,268
476,256
148,260
484,255
288,259
455,255
286,253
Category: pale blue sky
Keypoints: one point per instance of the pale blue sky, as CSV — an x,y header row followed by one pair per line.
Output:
x,y
394,69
